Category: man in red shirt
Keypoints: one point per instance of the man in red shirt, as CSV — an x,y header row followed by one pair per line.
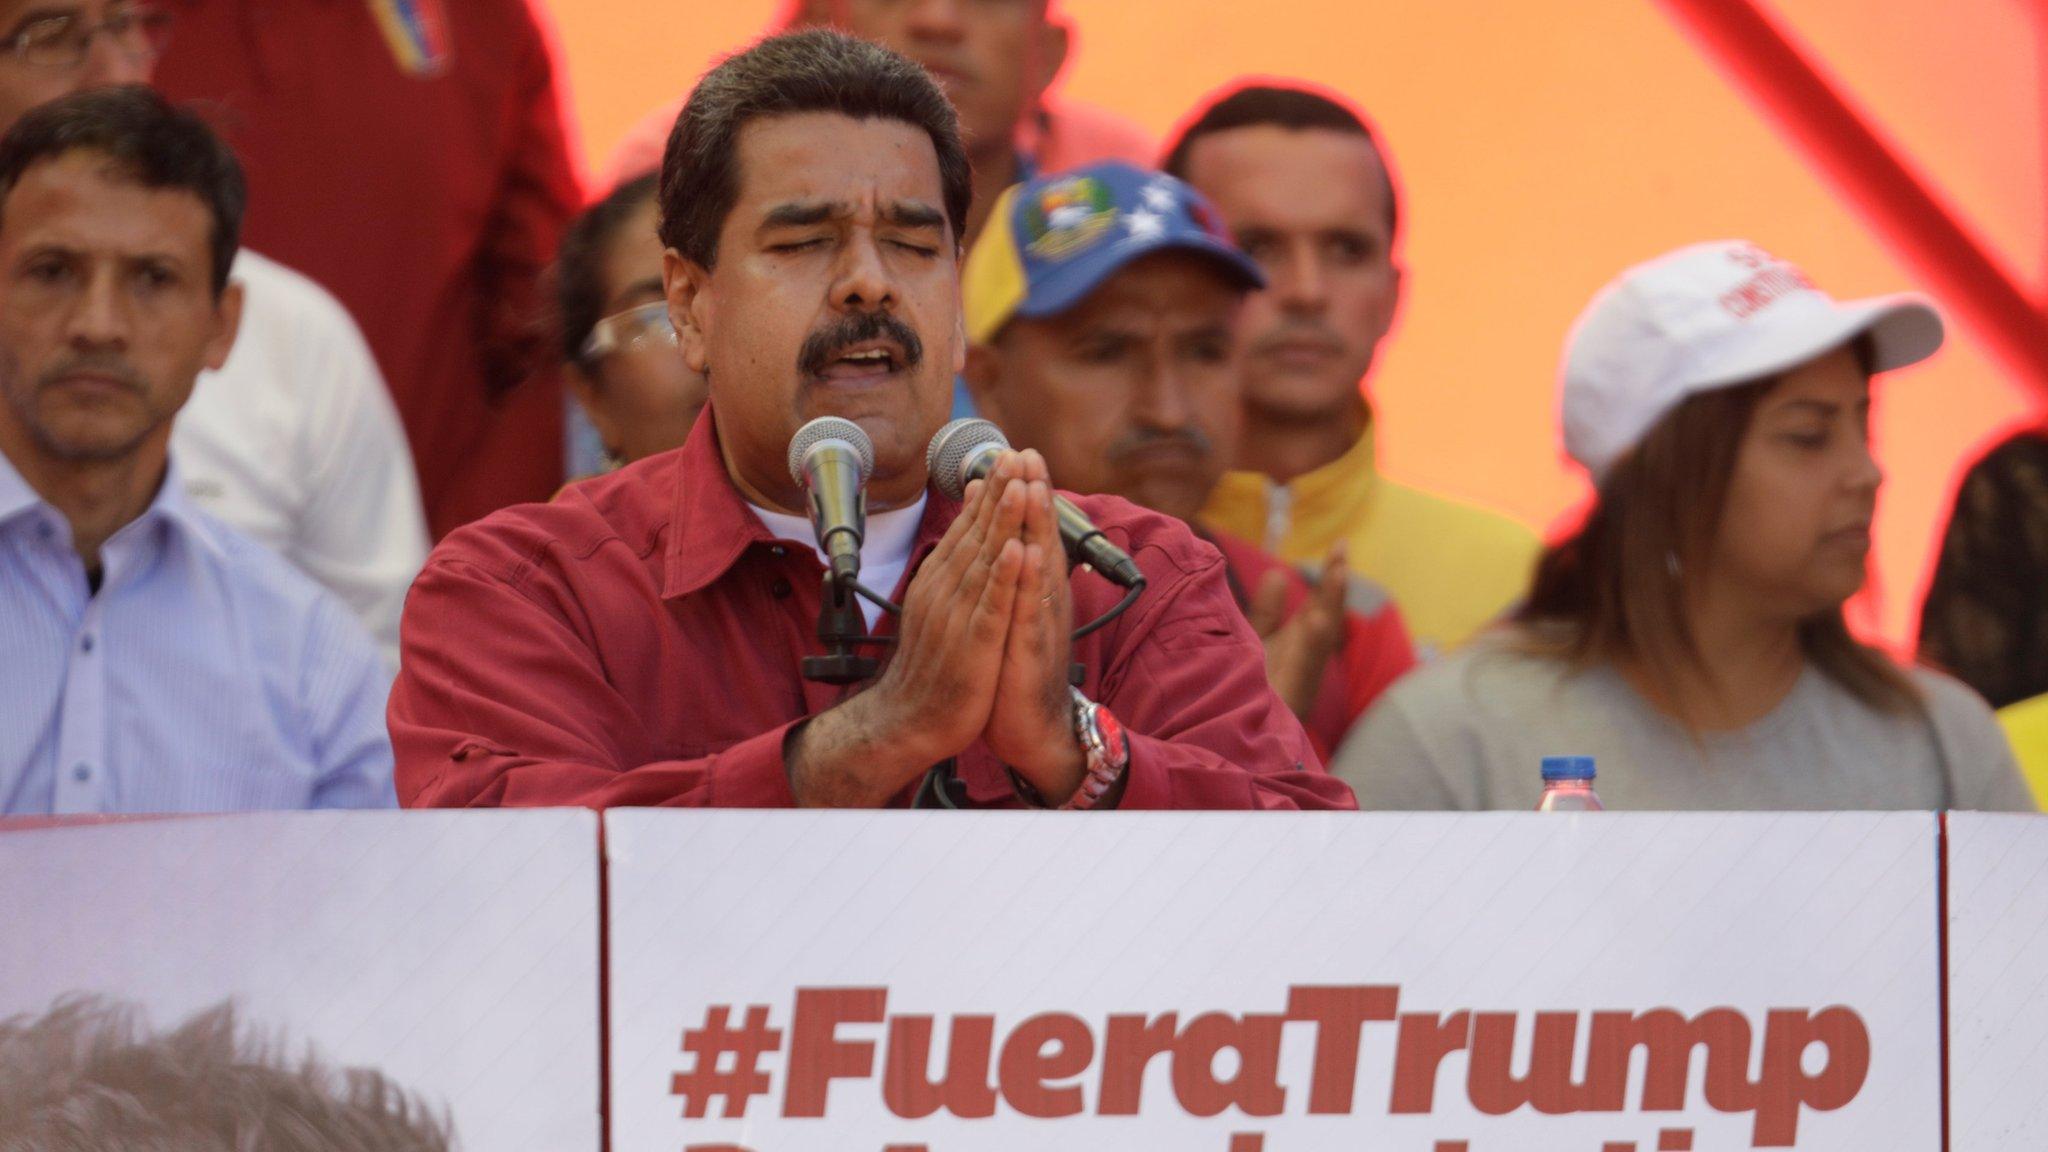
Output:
x,y
1102,311
409,155
639,640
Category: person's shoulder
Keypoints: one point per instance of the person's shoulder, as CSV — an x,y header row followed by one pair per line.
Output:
x,y
270,591
628,508
295,319
243,561
1454,524
1949,699
1152,538
279,288
1494,674
1247,560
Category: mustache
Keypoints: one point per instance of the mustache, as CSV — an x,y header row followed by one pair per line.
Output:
x,y
105,364
1191,440
824,346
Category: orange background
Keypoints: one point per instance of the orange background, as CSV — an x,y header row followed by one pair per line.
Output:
x,y
1541,148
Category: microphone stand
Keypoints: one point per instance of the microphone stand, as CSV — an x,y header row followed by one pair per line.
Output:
x,y
843,630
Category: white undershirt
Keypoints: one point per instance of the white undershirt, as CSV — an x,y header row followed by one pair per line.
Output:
x,y
884,549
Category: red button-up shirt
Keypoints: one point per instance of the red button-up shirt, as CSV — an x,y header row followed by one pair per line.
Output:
x,y
423,180
1376,650
637,642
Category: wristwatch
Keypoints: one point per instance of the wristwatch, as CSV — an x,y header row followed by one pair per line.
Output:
x,y
1107,747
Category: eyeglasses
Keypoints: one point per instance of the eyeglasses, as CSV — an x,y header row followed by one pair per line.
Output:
x,y
62,42
641,326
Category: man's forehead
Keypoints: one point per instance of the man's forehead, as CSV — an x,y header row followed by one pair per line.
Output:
x,y
827,157
87,199
1270,162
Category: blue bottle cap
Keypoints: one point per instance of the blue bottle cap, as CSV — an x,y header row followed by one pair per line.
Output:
x,y
1567,768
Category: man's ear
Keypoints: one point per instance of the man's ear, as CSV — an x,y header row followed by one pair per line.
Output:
x,y
984,377
1395,298
227,320
683,282
1055,41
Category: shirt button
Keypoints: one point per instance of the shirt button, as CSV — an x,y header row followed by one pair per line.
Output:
x,y
45,531
85,642
777,550
781,589
81,772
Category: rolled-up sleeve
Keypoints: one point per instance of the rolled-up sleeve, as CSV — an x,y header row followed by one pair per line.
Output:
x,y
1206,730
500,703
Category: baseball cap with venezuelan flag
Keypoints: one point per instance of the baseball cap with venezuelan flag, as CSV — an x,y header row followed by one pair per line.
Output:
x,y
1053,240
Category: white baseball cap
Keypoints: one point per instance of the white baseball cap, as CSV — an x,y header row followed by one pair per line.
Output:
x,y
1712,316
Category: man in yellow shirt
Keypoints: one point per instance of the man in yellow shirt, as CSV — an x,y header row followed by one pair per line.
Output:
x,y
1301,183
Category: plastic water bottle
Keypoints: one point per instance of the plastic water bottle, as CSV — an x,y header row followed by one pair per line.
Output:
x,y
1568,785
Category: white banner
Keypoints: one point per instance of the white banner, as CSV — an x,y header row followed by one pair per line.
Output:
x,y
451,954
1998,981
976,982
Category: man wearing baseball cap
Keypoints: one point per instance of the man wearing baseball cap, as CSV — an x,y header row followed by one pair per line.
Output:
x,y
1101,315
1689,637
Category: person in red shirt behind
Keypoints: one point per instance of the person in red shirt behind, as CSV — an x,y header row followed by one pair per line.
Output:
x,y
410,156
1102,311
639,641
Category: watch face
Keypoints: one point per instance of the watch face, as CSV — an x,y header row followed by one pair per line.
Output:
x,y
1111,731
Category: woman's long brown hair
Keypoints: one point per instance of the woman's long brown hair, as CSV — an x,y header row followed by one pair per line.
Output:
x,y
1615,588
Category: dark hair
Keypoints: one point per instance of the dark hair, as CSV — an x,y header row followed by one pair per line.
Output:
x,y
579,263
815,70
1985,619
148,140
1296,109
87,1076
1615,587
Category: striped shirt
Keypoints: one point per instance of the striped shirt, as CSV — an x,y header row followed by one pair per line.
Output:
x,y
205,675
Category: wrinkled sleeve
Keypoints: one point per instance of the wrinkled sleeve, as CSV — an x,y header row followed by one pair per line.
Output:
x,y
1189,684
501,703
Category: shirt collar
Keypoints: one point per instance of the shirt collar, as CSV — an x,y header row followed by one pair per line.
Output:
x,y
170,506
1349,480
712,525
16,497
887,541
175,508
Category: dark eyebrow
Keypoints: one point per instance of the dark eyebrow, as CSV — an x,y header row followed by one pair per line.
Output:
x,y
802,214
1816,407
911,214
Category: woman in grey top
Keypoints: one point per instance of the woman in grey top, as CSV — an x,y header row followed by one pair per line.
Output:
x,y
1689,635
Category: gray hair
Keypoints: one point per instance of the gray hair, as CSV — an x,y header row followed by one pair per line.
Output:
x,y
816,70
86,1077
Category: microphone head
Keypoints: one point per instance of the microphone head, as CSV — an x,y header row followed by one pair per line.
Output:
x,y
953,446
829,428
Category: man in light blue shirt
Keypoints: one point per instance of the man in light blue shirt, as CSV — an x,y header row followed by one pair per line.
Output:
x,y
151,658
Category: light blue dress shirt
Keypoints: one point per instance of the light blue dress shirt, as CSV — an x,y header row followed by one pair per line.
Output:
x,y
206,675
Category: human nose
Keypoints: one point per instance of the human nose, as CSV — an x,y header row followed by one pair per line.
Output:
x,y
936,20
863,282
1299,281
100,319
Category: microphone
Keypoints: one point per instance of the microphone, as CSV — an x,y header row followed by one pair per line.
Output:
x,y
831,459
966,450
